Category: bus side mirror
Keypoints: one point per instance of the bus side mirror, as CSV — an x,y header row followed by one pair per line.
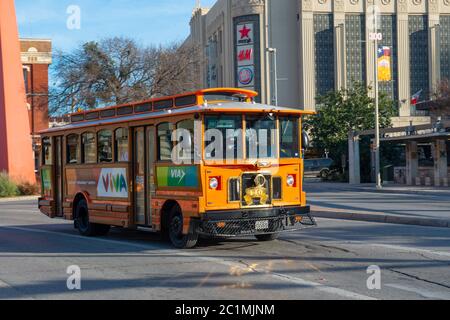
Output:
x,y
305,140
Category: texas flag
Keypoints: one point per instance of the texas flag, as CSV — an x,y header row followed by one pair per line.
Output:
x,y
415,98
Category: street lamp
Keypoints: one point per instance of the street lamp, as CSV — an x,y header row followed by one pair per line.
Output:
x,y
377,110
274,52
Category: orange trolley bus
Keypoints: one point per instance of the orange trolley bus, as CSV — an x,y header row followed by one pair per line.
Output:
x,y
129,166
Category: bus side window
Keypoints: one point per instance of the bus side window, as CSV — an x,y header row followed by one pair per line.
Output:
x,y
121,145
73,147
189,126
104,146
165,141
88,149
47,151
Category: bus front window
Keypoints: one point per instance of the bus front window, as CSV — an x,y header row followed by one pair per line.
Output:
x,y
260,137
224,137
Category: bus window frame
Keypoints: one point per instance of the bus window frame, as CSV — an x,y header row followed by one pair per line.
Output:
x,y
158,141
43,159
112,131
78,151
83,154
116,145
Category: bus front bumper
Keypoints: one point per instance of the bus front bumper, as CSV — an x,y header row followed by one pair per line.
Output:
x,y
247,222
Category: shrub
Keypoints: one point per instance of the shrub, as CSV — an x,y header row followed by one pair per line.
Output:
x,y
28,189
7,187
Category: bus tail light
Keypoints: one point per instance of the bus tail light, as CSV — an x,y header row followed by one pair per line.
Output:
x,y
291,181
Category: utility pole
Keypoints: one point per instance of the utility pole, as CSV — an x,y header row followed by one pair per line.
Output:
x,y
273,51
377,110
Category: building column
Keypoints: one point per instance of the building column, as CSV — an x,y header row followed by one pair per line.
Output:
x,y
354,159
404,88
340,74
412,163
434,56
307,58
440,163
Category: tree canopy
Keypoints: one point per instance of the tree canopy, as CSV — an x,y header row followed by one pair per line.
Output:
x,y
117,70
339,112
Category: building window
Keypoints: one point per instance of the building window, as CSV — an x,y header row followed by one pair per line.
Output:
x,y
47,152
389,31
122,145
418,55
73,147
165,141
25,78
355,36
89,151
445,46
104,146
324,53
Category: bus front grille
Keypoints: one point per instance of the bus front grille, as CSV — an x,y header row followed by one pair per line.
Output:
x,y
256,189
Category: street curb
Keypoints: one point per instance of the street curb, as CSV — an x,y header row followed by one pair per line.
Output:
x,y
18,199
382,218
386,189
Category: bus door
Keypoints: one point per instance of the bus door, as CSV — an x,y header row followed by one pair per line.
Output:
x,y
143,174
58,183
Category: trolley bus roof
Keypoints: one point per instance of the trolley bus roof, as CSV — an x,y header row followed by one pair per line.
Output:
x,y
203,101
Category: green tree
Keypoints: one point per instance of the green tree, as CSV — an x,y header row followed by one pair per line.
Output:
x,y
339,112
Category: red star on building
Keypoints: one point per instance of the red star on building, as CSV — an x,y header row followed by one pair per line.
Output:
x,y
245,32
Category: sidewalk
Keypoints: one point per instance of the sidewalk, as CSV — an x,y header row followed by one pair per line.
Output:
x,y
21,198
423,206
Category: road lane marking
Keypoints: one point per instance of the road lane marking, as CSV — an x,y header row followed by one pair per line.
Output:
x,y
423,293
278,276
410,249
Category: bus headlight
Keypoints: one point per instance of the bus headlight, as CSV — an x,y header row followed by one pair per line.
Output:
x,y
290,180
214,183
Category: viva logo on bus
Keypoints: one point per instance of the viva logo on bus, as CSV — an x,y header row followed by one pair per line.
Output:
x,y
178,177
112,183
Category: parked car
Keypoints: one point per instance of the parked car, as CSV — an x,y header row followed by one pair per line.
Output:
x,y
319,168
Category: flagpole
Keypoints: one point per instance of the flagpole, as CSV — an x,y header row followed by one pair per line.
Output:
x,y
377,111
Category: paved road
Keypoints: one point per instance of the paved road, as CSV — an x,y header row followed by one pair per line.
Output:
x,y
327,262
340,196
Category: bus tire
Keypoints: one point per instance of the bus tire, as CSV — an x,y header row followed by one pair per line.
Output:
x,y
85,228
175,231
266,237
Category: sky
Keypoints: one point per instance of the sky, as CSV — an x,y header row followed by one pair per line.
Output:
x,y
148,21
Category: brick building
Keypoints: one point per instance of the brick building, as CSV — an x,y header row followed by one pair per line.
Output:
x,y
36,56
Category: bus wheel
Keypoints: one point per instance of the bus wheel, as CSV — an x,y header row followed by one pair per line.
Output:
x,y
85,227
267,237
175,227
82,215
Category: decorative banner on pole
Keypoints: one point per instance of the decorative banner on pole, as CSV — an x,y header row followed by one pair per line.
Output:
x,y
384,64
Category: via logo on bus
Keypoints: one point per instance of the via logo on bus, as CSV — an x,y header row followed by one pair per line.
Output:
x,y
112,183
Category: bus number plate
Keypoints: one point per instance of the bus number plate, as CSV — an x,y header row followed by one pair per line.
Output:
x,y
262,225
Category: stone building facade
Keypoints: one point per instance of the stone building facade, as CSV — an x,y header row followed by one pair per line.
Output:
x,y
323,45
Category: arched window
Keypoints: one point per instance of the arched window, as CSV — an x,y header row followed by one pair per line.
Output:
x,y
73,147
121,145
89,151
104,146
165,141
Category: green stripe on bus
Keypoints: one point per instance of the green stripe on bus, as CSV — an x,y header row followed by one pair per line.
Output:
x,y
178,177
